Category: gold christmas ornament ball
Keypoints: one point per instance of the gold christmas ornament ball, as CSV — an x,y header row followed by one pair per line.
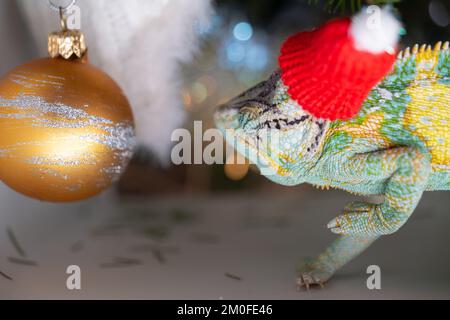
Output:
x,y
66,129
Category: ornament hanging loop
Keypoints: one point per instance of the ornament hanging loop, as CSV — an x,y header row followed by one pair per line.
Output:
x,y
54,7
63,19
62,10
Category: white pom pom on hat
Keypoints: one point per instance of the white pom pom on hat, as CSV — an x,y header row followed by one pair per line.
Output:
x,y
375,30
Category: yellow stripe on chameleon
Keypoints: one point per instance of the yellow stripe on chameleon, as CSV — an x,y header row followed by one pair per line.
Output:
x,y
369,128
427,115
286,158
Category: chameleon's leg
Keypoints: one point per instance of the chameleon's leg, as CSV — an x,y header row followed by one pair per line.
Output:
x,y
340,252
405,171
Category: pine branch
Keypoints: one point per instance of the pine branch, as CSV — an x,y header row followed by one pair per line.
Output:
x,y
352,5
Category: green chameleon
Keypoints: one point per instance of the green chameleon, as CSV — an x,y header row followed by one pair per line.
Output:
x,y
397,146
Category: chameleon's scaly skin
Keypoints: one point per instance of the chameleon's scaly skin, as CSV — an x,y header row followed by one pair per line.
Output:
x,y
397,146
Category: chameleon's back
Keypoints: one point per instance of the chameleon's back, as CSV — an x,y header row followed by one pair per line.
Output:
x,y
411,107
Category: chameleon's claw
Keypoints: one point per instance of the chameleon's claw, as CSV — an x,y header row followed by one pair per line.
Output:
x,y
306,281
337,231
353,221
335,226
333,223
338,225
313,274
363,219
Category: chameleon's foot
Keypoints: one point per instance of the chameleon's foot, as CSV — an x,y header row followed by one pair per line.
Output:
x,y
312,274
364,219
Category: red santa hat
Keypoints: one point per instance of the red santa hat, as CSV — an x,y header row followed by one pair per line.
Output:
x,y
330,71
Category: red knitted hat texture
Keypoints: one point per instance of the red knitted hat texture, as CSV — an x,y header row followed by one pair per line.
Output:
x,y
326,74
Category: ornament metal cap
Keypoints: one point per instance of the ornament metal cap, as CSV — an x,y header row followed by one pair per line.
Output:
x,y
66,43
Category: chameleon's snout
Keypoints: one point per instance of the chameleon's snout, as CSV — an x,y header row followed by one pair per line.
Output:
x,y
236,115
226,117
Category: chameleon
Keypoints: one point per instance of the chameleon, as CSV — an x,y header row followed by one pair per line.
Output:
x,y
397,146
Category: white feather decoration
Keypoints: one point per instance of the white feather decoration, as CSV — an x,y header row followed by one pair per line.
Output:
x,y
141,44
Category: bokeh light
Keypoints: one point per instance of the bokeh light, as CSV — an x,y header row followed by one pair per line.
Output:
x,y
243,31
438,13
199,92
236,167
236,52
257,57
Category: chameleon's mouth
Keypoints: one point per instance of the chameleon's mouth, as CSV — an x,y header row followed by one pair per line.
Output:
x,y
235,120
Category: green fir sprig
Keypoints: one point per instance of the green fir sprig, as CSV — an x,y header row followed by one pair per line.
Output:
x,y
333,6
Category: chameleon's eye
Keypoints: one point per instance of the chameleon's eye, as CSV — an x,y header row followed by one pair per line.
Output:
x,y
239,115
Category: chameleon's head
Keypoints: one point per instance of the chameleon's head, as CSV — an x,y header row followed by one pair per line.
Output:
x,y
272,131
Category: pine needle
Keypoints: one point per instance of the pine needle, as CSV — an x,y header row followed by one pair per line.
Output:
x,y
4,275
233,276
12,237
23,262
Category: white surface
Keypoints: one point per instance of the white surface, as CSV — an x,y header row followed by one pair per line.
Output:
x,y
259,237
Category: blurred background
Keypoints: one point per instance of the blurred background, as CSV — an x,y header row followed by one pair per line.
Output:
x,y
222,214
239,49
